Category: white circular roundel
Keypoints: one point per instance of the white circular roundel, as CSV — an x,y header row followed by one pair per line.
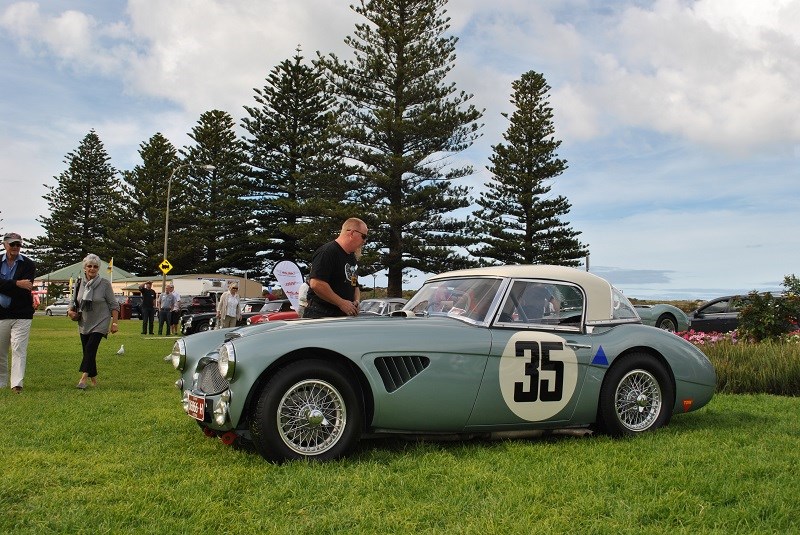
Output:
x,y
538,373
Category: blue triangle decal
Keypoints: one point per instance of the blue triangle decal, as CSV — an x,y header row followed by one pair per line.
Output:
x,y
600,357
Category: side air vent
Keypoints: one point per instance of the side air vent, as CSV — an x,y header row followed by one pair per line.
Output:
x,y
397,371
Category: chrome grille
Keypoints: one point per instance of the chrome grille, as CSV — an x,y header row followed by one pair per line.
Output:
x,y
397,371
210,381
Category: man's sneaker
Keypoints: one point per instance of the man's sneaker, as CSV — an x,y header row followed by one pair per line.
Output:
x,y
17,389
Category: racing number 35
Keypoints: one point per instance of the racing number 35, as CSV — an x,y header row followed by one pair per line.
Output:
x,y
544,388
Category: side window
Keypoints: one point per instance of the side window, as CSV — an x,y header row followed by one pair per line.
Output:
x,y
530,303
717,308
736,304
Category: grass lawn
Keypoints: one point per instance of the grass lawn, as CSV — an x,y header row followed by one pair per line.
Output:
x,y
123,457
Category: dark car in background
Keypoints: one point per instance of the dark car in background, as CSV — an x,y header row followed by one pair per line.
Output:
x,y
253,304
719,315
203,321
195,304
196,323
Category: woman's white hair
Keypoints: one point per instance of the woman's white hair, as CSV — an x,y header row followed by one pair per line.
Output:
x,y
91,258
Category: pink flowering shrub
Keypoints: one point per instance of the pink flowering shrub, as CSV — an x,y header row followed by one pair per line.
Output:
x,y
700,338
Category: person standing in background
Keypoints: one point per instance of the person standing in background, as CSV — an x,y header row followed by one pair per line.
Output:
x,y
17,273
302,297
175,315
229,310
148,306
165,303
96,315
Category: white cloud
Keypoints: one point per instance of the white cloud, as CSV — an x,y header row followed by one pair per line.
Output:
x,y
678,119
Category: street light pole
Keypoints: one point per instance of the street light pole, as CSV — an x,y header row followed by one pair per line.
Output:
x,y
166,214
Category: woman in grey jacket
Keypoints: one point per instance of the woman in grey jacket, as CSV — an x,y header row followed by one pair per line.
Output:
x,y
95,308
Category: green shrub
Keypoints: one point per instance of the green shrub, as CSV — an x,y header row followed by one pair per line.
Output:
x,y
767,317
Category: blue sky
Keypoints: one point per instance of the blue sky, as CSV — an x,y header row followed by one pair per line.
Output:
x,y
679,120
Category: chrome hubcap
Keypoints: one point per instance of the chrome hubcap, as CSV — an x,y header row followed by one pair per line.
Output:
x,y
311,417
638,400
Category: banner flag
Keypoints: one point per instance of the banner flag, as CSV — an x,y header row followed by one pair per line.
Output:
x,y
289,277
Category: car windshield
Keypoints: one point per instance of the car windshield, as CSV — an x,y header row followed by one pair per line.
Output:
x,y
372,307
623,309
468,298
271,306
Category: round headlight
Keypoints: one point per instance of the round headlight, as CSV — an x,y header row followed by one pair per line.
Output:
x,y
178,354
227,361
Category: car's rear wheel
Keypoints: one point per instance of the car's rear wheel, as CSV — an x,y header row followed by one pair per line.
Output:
x,y
667,322
308,410
203,327
637,396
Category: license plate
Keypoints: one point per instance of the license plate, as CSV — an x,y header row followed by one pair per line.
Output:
x,y
197,407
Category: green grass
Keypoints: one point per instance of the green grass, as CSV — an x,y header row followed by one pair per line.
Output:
x,y
123,457
764,367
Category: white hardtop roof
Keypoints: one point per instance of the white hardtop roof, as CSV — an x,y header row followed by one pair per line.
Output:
x,y
597,290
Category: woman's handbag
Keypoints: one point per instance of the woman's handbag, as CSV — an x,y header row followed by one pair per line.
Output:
x,y
74,306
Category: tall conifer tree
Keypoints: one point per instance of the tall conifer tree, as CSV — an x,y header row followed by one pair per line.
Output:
x,y
146,191
403,120
294,149
86,210
212,228
520,221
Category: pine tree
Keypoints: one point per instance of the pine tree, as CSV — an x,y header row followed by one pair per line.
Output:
x,y
211,223
520,222
86,210
145,188
300,179
403,120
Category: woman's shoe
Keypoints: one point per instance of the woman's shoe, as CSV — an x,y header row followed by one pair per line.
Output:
x,y
93,380
82,386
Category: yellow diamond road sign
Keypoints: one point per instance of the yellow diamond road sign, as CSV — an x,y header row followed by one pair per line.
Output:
x,y
165,266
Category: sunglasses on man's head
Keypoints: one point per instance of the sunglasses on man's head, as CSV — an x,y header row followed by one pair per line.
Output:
x,y
15,244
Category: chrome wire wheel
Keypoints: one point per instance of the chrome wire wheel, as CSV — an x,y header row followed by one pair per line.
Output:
x,y
638,400
311,417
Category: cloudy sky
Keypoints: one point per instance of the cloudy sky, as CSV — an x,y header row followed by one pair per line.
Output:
x,y
679,119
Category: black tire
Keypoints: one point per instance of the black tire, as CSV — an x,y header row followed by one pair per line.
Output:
x,y
203,327
667,322
48,312
307,410
637,396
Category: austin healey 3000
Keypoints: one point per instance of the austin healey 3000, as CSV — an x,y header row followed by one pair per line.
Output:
x,y
510,348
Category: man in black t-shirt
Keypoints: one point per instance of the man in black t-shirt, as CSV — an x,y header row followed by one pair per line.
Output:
x,y
333,280
148,306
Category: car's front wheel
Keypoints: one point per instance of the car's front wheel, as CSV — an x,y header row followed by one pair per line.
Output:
x,y
308,410
667,322
637,396
48,312
203,327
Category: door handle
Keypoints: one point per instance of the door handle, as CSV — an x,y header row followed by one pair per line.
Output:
x,y
575,345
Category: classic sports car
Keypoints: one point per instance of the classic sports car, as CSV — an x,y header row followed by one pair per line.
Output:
x,y
507,348
664,316
279,309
